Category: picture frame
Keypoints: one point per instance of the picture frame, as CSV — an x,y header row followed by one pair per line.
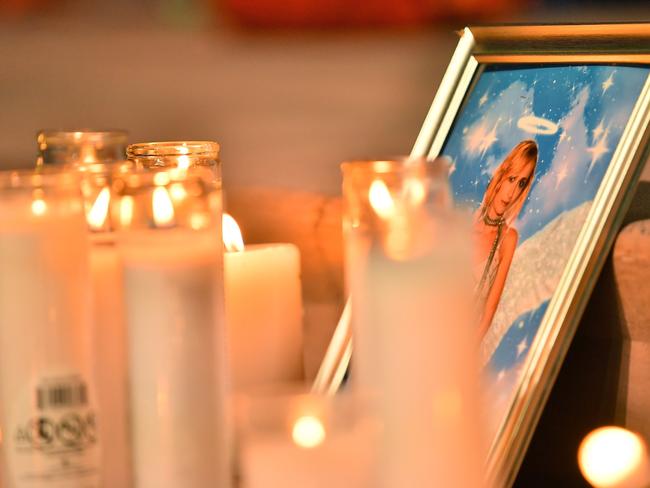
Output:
x,y
587,133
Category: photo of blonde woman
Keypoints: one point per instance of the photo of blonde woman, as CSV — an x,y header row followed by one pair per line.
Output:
x,y
495,237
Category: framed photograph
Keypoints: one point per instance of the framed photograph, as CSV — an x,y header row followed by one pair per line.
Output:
x,y
545,129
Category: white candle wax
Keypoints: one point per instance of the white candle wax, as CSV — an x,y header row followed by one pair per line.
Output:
x,y
173,287
110,360
264,314
47,414
414,350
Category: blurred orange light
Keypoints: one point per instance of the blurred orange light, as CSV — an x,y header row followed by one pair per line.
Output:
x,y
614,457
308,432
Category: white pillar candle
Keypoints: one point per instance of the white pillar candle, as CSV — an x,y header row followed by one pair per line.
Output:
x,y
173,285
407,262
47,414
264,314
110,360
411,348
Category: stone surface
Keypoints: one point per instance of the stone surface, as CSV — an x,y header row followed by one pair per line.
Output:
x,y
632,276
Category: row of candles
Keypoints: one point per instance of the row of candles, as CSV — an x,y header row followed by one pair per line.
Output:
x,y
112,329
123,326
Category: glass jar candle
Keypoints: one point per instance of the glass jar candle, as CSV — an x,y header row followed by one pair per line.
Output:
x,y
108,328
408,274
293,439
47,413
168,225
80,146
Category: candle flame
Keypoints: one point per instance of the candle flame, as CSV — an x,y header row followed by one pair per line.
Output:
x,y
99,211
381,200
415,191
39,207
87,154
161,179
232,238
183,162
163,208
177,192
613,456
126,210
308,432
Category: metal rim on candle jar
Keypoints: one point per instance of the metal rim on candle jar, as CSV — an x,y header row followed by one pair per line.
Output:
x,y
205,149
176,154
47,137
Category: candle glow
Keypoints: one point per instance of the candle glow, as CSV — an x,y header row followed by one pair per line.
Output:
x,y
39,207
308,432
183,159
614,457
381,199
163,208
126,210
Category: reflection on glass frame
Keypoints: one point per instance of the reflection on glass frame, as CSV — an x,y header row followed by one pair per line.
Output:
x,y
545,129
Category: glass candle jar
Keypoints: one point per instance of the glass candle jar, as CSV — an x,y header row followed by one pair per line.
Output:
x,y
47,413
294,439
168,225
108,327
80,146
176,154
408,273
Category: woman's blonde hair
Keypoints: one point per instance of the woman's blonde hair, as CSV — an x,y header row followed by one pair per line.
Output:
x,y
523,154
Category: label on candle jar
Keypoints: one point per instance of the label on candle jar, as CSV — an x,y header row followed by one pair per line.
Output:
x,y
52,438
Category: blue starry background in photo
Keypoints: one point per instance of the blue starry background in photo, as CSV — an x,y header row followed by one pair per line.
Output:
x,y
576,114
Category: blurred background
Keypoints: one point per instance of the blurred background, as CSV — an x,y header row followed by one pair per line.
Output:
x,y
290,88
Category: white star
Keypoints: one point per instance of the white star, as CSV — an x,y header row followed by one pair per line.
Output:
x,y
521,347
598,150
607,84
598,130
501,374
465,129
520,325
482,100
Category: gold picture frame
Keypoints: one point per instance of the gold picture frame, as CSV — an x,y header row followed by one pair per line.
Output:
x,y
517,46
